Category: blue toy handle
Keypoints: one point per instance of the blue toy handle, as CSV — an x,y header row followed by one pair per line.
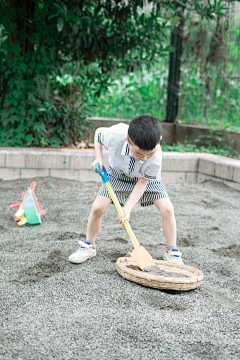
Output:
x,y
103,176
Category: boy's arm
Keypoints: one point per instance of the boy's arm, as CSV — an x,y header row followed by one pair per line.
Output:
x,y
98,150
136,193
133,199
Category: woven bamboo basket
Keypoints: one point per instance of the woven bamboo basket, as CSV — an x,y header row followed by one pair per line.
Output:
x,y
160,282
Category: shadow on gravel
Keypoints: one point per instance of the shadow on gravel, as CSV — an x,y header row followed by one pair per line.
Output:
x,y
111,255
120,240
56,262
232,251
2,229
192,240
207,350
189,241
105,272
155,302
70,235
158,304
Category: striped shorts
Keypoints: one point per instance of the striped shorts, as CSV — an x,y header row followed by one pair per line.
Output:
x,y
124,185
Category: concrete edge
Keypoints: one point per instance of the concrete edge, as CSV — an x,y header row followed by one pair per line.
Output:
x,y
18,163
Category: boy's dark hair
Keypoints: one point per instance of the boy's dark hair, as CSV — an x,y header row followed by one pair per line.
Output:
x,y
145,132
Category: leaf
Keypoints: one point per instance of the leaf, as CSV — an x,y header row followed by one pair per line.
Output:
x,y
16,48
131,84
60,24
60,10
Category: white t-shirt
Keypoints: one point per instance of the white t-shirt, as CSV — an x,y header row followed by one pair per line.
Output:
x,y
114,138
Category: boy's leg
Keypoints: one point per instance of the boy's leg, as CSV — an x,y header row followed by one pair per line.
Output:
x,y
95,218
88,249
168,219
169,228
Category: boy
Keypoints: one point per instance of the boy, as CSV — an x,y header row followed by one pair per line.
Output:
x,y
135,159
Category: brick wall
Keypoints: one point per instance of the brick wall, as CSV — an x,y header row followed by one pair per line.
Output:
x,y
76,165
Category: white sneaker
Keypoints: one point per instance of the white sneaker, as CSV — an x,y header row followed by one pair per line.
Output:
x,y
83,253
173,255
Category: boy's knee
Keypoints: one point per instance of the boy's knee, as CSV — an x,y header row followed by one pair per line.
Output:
x,y
167,210
97,209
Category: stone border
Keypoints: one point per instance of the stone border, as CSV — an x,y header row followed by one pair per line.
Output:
x,y
19,163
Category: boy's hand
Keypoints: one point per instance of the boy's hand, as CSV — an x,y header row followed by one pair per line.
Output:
x,y
125,216
97,161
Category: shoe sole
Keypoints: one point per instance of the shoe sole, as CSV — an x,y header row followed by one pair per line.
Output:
x,y
80,262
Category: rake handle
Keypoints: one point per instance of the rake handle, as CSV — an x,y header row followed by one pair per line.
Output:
x,y
117,204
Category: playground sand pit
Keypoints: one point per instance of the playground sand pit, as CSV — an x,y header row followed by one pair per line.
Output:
x,y
52,309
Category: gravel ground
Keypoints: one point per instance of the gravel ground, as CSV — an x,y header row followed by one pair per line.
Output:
x,y
51,309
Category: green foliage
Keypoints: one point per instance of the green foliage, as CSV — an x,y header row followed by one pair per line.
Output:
x,y
213,143
189,147
88,41
42,41
137,93
209,91
35,111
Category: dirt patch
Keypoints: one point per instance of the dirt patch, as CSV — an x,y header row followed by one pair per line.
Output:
x,y
206,351
212,203
224,272
155,270
221,299
191,263
70,235
192,240
173,307
120,240
107,272
208,204
157,302
111,255
2,229
189,241
56,262
232,251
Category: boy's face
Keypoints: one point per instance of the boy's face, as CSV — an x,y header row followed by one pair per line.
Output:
x,y
140,154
